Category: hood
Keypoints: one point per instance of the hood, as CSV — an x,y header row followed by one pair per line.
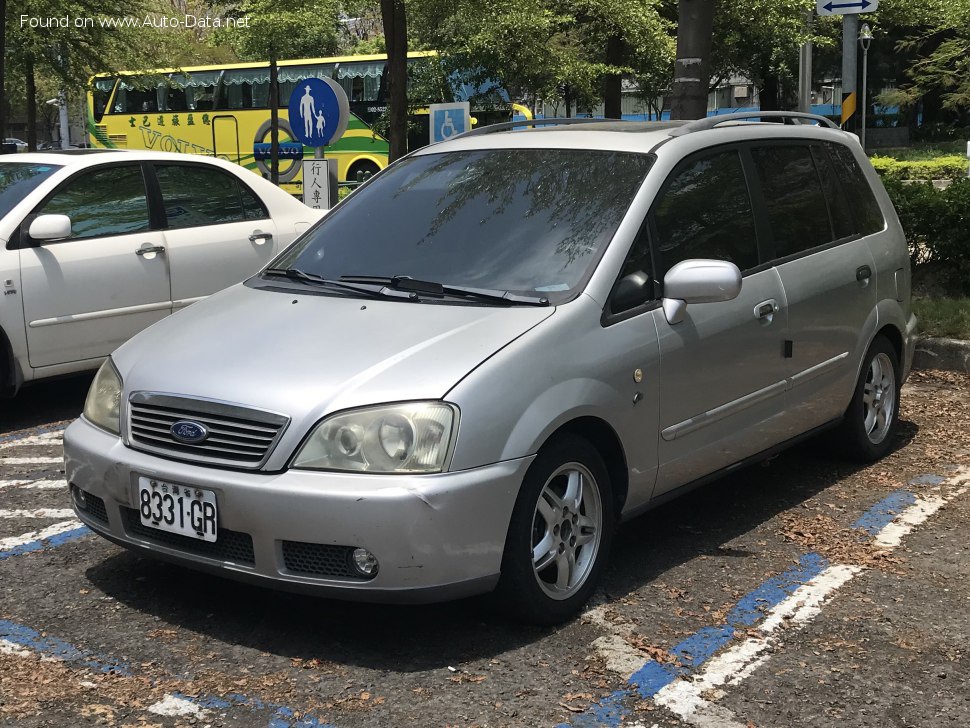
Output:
x,y
307,355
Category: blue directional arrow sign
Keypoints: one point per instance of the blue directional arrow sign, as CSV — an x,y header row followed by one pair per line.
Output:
x,y
842,7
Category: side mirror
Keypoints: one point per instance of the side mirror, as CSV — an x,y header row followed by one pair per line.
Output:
x,y
698,281
631,291
50,227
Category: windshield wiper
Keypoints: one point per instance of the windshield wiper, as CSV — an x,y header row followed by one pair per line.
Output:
x,y
296,274
413,285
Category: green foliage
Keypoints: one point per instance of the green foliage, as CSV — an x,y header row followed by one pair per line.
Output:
x,y
937,227
947,167
947,317
284,29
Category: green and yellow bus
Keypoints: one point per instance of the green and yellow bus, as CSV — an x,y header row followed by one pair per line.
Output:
x,y
224,111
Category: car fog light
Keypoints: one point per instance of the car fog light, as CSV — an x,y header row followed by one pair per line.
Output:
x,y
80,498
365,562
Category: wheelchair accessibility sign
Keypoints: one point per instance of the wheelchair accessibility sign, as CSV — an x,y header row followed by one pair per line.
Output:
x,y
449,120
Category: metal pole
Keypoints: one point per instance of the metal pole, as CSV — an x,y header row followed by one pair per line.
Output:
x,y
64,122
850,67
805,67
865,62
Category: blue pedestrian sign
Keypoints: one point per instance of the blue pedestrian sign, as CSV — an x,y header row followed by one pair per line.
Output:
x,y
319,111
449,120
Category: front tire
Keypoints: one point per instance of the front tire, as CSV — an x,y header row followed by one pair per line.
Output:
x,y
869,428
559,535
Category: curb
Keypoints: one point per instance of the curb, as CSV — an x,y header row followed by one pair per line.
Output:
x,y
950,354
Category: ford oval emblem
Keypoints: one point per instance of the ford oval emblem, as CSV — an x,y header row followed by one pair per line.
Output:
x,y
189,432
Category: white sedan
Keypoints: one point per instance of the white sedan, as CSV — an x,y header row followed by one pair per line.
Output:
x,y
97,245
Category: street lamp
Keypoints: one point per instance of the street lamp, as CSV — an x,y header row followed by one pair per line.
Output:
x,y
865,37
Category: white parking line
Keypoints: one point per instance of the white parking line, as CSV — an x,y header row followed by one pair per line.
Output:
x,y
172,705
31,461
37,513
47,438
33,484
14,541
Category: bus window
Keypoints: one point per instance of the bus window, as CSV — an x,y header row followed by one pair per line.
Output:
x,y
199,88
290,76
132,99
245,88
361,79
174,98
101,93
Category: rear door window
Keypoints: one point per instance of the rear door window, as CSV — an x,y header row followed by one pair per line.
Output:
x,y
705,211
196,196
797,211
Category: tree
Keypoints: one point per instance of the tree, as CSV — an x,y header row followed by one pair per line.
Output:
x,y
394,17
695,24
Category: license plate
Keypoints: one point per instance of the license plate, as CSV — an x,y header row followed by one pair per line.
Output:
x,y
177,509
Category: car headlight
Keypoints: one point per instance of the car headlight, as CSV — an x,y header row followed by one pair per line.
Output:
x,y
402,438
103,404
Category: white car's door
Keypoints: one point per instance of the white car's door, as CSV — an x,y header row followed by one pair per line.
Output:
x,y
218,231
86,295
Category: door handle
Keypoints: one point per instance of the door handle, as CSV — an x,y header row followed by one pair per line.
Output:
x,y
766,310
259,235
151,249
862,273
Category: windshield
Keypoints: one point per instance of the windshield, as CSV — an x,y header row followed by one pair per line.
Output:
x,y
17,180
527,221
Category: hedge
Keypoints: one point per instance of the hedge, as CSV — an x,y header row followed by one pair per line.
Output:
x,y
937,227
949,167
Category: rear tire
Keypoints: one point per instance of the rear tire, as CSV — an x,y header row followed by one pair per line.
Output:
x,y
868,429
559,535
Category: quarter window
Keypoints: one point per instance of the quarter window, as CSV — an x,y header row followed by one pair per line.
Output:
x,y
793,198
868,216
102,202
839,212
705,212
195,196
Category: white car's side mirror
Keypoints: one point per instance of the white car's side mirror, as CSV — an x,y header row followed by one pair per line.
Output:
x,y
50,227
698,281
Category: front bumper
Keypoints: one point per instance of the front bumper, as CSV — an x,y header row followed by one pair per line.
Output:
x,y
435,536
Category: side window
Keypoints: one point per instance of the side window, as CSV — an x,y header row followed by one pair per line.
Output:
x,y
195,196
705,212
839,212
102,202
252,208
793,197
868,216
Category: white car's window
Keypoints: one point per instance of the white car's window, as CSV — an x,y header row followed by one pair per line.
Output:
x,y
17,180
705,212
101,202
195,196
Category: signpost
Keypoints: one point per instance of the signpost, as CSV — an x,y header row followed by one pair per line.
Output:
x,y
449,120
319,112
846,7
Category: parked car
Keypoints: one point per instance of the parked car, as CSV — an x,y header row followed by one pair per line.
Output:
x,y
20,144
463,377
96,246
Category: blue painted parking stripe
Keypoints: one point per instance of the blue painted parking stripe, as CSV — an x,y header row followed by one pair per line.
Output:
x,y
42,543
47,646
32,433
884,512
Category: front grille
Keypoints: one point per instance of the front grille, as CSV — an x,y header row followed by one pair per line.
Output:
x,y
91,505
231,546
317,559
238,436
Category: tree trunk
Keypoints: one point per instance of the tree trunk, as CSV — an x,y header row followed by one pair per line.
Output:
x,y
396,38
768,93
613,84
274,119
31,105
3,77
695,26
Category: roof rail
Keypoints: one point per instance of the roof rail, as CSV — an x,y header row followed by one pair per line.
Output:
x,y
789,117
507,125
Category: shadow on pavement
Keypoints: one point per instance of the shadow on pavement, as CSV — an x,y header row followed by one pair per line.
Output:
x,y
45,403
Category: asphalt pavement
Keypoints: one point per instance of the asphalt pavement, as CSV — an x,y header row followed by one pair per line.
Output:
x,y
804,592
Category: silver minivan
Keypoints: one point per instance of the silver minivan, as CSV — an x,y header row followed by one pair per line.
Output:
x,y
475,366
